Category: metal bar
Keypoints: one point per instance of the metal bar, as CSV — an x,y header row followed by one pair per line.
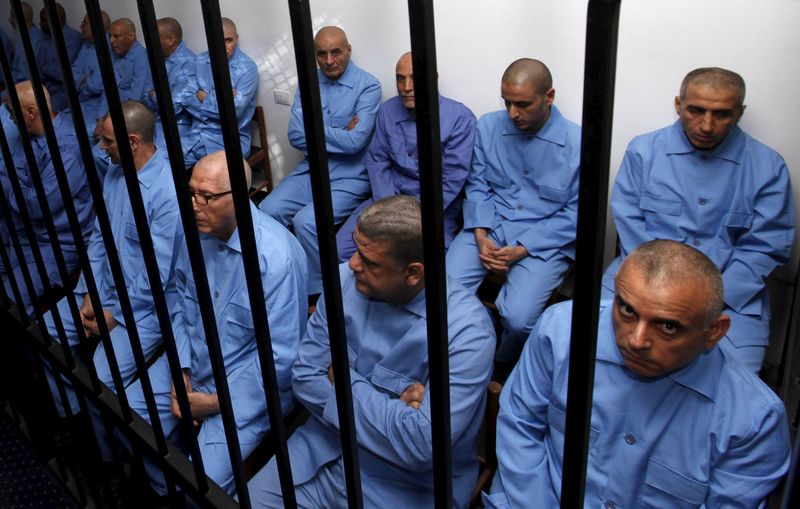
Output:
x,y
308,83
598,109
426,93
215,37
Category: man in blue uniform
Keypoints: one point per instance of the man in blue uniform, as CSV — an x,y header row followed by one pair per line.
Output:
x,y
392,161
132,73
350,101
283,273
384,308
705,182
78,187
47,58
520,213
179,61
86,72
9,51
675,423
19,66
158,194
199,99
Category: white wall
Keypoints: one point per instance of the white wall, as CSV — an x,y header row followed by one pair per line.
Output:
x,y
659,41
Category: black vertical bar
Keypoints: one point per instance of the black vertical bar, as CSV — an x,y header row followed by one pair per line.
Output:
x,y
308,83
598,108
146,245
426,93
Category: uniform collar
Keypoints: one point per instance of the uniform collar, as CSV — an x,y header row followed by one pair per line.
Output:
x,y
731,148
151,170
701,376
347,79
553,131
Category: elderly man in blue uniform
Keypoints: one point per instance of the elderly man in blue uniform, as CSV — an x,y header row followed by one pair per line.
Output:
x,y
158,195
47,58
78,187
392,163
86,72
350,101
199,99
283,273
675,423
520,213
384,309
179,61
705,182
19,65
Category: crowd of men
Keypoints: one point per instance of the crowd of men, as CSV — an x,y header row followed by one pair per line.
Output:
x,y
703,210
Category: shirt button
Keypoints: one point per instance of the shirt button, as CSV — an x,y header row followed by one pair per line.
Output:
x,y
519,207
630,439
525,173
702,201
220,248
696,243
610,504
409,154
216,295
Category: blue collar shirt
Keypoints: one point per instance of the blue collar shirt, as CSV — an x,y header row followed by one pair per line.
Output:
x,y
526,184
19,66
393,164
356,92
50,68
179,67
733,203
387,345
133,73
710,434
206,127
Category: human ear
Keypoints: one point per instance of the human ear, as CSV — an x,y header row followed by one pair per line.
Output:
x,y
717,330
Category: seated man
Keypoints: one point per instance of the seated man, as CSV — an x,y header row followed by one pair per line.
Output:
x,y
384,308
86,72
78,187
350,100
520,213
199,99
674,422
158,194
131,70
705,182
283,274
19,65
47,58
392,163
179,61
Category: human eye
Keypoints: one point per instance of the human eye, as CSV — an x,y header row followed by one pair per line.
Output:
x,y
321,54
695,110
669,328
399,78
723,114
625,309
336,52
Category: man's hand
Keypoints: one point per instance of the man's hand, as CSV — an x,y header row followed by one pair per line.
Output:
x,y
201,404
413,394
497,259
201,95
352,124
152,94
330,374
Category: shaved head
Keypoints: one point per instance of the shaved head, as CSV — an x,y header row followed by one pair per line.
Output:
x,y
30,111
529,71
715,77
124,24
227,22
170,26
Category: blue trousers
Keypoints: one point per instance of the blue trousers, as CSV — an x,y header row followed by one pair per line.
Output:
x,y
521,300
291,203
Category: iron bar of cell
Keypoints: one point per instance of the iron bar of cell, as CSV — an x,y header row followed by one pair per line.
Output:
x,y
244,222
598,107
143,232
308,83
426,107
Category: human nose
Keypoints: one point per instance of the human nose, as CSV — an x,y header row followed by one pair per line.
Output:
x,y
637,339
354,263
329,59
707,124
408,85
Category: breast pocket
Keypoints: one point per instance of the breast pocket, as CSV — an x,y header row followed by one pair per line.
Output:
x,y
557,420
665,487
131,250
340,122
661,216
737,223
390,381
496,176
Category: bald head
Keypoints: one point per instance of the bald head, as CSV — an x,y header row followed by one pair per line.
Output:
x,y
170,34
211,188
30,111
529,71
333,51
717,78
665,263
139,120
227,22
